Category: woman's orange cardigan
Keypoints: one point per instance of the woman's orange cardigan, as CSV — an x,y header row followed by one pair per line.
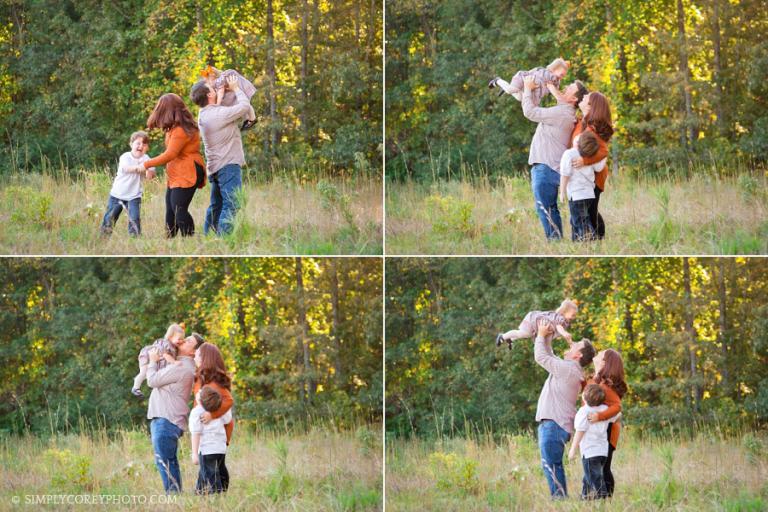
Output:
x,y
226,404
613,402
181,153
602,152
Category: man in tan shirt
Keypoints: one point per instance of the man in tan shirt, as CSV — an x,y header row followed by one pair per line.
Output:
x,y
550,141
220,130
557,402
169,409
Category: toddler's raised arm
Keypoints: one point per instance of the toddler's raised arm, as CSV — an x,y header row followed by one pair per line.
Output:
x,y
559,328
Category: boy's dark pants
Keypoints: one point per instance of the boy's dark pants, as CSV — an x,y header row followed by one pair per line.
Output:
x,y
213,476
582,229
593,486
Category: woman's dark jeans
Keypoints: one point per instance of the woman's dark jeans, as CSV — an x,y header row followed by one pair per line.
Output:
x,y
595,217
177,217
607,474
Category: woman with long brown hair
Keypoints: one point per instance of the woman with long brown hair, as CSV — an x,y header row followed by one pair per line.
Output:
x,y
596,116
609,374
212,372
184,164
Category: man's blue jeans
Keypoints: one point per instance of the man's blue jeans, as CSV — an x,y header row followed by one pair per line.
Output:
x,y
115,208
225,184
552,439
545,182
165,442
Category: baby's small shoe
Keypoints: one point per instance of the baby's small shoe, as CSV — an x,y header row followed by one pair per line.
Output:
x,y
247,125
492,83
499,339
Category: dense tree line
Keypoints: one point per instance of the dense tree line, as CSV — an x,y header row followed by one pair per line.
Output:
x,y
300,336
686,80
691,332
79,76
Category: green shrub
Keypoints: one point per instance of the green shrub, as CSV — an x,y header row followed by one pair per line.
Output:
x,y
29,206
450,215
455,473
69,471
280,484
754,448
359,498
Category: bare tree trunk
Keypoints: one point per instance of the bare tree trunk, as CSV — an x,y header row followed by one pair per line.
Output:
x,y
685,88
304,118
301,313
357,24
723,324
691,334
336,325
271,73
718,70
610,29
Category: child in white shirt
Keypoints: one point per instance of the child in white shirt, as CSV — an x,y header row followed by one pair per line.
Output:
x,y
579,185
209,443
592,440
128,187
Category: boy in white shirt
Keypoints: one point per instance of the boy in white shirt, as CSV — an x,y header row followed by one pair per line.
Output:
x,y
127,187
209,443
592,439
579,185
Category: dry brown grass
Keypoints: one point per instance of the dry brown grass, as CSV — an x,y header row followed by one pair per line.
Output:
x,y
703,215
48,214
704,473
323,471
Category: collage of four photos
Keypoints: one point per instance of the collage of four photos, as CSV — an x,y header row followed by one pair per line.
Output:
x,y
396,255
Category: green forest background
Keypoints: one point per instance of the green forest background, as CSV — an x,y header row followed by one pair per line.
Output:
x,y
691,331
77,77
687,81
300,336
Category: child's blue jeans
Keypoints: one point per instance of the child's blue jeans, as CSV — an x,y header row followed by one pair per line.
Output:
x,y
593,485
582,229
115,208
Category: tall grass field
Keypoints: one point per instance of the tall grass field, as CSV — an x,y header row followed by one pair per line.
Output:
x,y
706,472
319,470
703,214
59,212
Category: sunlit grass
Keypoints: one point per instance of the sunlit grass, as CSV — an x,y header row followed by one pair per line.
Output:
x,y
705,214
319,470
705,472
55,213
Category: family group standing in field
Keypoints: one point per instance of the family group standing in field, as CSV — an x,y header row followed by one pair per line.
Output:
x,y
595,427
567,153
225,111
176,366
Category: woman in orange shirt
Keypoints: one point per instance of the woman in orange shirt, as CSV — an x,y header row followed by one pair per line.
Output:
x,y
596,117
185,166
212,372
609,374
